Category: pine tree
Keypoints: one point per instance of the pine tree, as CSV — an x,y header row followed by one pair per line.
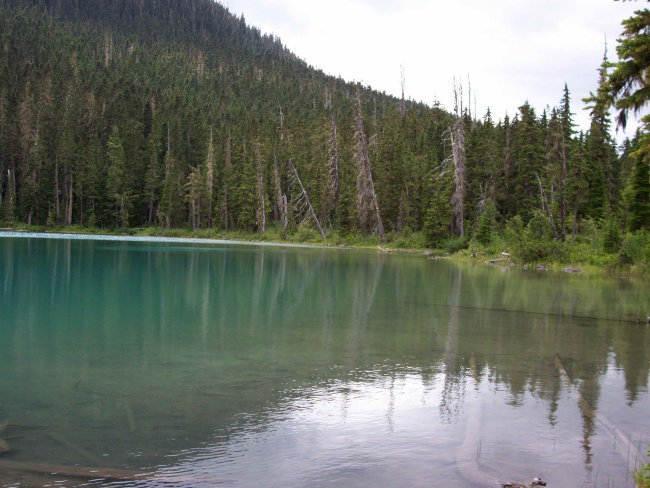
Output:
x,y
117,178
603,174
627,85
527,162
639,197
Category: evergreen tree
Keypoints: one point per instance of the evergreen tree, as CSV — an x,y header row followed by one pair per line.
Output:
x,y
639,195
603,174
117,176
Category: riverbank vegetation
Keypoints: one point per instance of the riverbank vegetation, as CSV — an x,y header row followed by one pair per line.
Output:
x,y
643,475
147,117
518,245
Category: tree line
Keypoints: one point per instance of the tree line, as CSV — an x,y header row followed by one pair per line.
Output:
x,y
133,113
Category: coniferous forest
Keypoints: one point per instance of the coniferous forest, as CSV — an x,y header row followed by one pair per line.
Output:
x,y
121,114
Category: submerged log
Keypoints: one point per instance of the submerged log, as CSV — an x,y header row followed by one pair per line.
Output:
x,y
4,446
80,451
74,471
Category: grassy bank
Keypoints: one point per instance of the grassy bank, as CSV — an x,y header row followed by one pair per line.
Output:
x,y
627,256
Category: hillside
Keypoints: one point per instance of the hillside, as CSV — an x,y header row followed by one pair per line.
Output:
x,y
129,113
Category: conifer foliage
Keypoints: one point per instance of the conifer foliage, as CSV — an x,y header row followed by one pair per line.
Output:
x,y
118,113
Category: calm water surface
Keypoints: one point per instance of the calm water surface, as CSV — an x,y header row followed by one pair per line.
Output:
x,y
265,366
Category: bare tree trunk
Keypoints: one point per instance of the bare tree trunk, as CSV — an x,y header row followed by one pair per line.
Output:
x,y
69,200
546,208
367,205
209,177
334,165
227,165
10,204
57,191
280,207
402,102
261,209
458,154
305,206
281,117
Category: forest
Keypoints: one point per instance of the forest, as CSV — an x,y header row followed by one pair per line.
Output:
x,y
157,114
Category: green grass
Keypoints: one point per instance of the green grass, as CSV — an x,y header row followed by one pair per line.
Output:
x,y
586,252
642,477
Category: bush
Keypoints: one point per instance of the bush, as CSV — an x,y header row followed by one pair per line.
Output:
x,y
642,477
611,236
410,240
455,244
486,224
533,243
635,248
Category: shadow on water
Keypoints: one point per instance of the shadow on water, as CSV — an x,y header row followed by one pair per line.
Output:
x,y
312,367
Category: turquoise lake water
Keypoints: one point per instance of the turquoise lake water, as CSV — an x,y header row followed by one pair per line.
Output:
x,y
212,364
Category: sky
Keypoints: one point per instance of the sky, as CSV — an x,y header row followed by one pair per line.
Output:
x,y
511,51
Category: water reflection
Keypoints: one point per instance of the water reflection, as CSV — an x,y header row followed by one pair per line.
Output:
x,y
312,367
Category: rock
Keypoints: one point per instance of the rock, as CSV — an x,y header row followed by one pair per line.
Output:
x,y
541,267
572,270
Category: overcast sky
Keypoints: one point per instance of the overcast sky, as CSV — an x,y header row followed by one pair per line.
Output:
x,y
512,50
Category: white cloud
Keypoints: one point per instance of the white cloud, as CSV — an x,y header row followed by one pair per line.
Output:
x,y
512,50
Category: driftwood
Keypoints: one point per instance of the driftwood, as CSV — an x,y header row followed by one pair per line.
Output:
x,y
80,451
74,471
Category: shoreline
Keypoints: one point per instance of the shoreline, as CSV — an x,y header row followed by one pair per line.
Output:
x,y
205,236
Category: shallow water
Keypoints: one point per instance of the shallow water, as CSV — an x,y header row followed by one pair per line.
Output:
x,y
248,365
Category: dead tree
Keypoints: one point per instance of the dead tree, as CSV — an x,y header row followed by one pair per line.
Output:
x,y
367,206
303,208
227,170
457,134
546,208
281,118
402,102
261,200
209,177
280,207
333,168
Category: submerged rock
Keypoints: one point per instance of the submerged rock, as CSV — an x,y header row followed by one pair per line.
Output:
x,y
514,484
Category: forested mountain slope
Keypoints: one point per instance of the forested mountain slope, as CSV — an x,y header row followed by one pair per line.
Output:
x,y
119,113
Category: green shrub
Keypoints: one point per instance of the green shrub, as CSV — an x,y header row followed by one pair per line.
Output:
x,y
635,248
486,224
455,244
410,240
611,236
642,477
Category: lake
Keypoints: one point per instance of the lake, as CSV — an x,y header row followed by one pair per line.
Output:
x,y
208,364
